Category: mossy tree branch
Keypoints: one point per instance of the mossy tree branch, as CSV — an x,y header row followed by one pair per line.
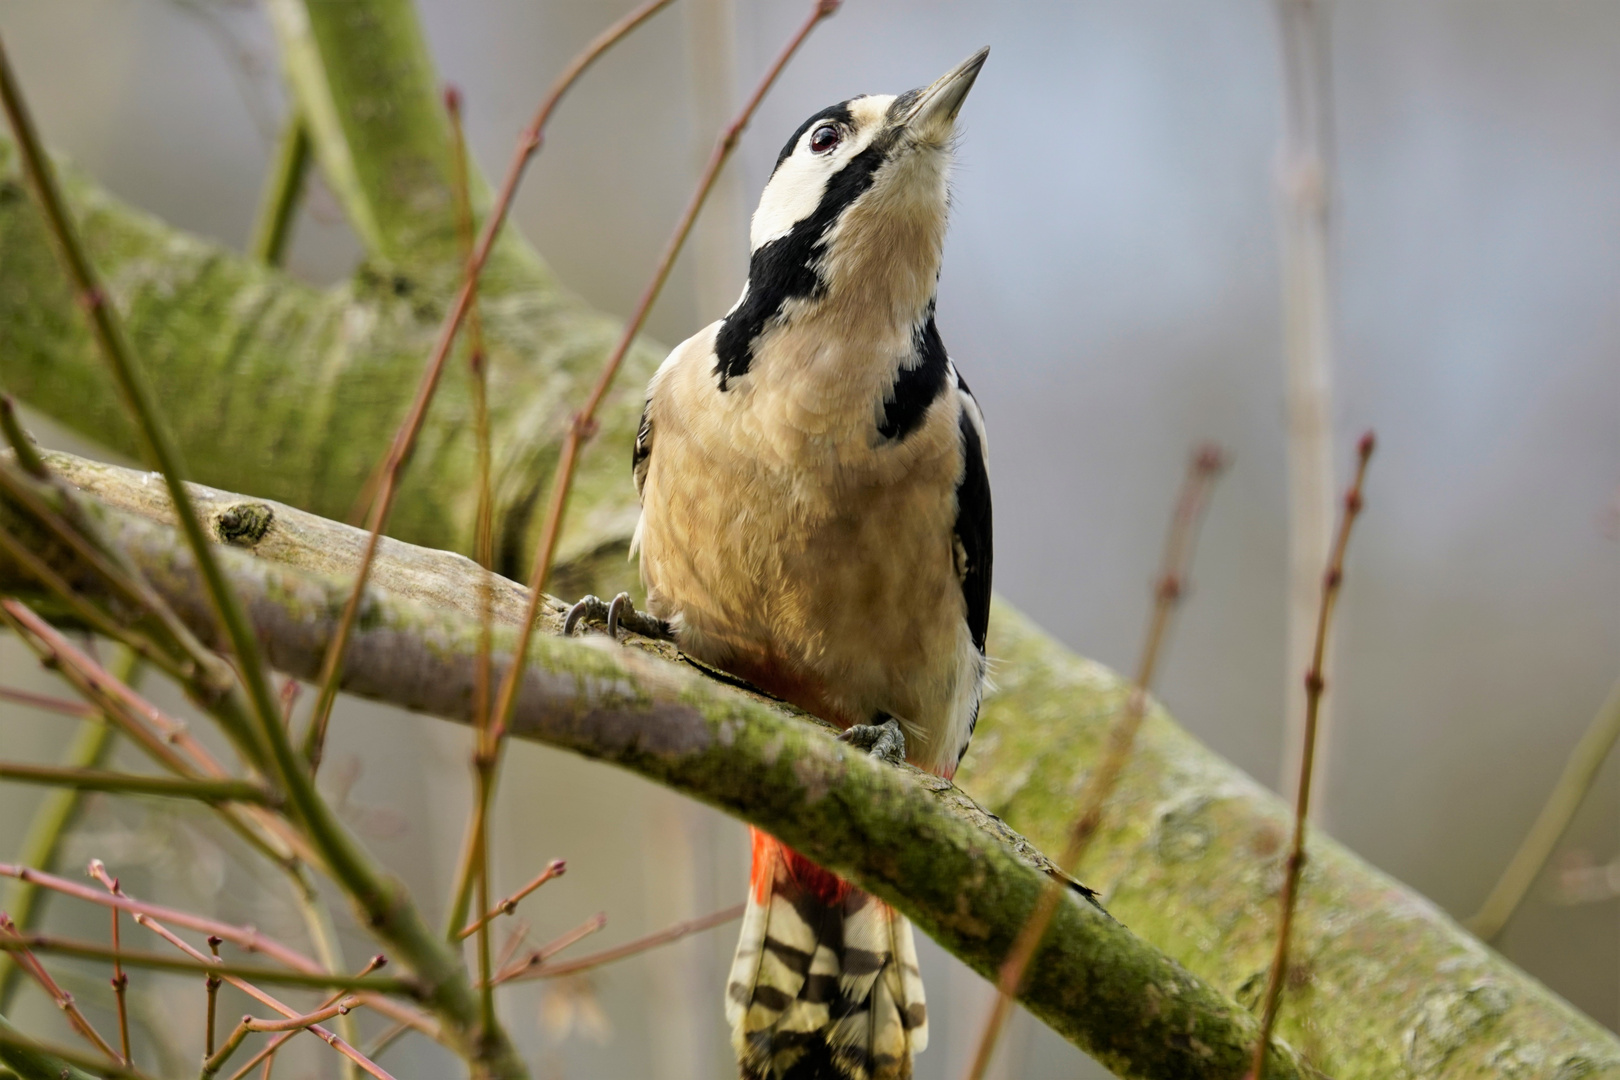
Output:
x,y
910,837
1191,852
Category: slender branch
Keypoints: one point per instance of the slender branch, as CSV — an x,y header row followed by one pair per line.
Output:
x,y
1315,684
405,438
107,329
1580,770
486,756
246,938
265,742
1305,182
556,868
85,950
45,1062
18,944
211,985
118,783
253,991
275,1044
54,819
1202,470
46,703
21,445
120,980
631,948
137,718
538,957
284,186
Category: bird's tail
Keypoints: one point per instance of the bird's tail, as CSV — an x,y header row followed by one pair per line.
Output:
x,y
825,984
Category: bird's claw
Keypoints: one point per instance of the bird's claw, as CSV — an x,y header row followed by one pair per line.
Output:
x,y
588,607
620,613
884,741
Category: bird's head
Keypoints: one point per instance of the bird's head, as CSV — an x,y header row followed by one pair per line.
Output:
x,y
862,190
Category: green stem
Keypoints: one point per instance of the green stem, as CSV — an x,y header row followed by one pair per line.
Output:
x,y
34,1060
1567,795
384,904
52,822
107,328
278,206
254,973
119,783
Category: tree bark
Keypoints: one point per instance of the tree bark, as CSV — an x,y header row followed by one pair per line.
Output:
x,y
292,393
1189,857
913,838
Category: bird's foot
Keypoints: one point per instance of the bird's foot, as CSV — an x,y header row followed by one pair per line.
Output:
x,y
621,612
884,741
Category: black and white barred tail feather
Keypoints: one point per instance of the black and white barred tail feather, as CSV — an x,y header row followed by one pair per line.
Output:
x,y
825,983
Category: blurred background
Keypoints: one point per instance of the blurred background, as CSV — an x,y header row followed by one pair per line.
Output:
x,y
1113,292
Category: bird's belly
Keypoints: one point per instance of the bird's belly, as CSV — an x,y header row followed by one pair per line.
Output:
x,y
840,597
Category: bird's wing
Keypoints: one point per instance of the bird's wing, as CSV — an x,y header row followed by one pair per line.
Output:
x,y
641,456
974,543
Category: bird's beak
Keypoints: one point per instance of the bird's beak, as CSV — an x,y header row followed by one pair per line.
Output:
x,y
933,114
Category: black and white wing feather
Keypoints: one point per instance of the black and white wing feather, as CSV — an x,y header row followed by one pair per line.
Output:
x,y
974,540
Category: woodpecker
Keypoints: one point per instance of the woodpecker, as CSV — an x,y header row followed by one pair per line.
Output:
x,y
815,519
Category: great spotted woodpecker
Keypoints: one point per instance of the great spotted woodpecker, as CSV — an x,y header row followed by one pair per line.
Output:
x,y
816,520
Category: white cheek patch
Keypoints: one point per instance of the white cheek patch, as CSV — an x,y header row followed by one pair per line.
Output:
x,y
795,190
792,195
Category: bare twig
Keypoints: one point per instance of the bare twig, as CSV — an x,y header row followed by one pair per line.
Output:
x,y
120,983
474,867
108,331
1576,780
211,985
1315,684
166,740
291,1025
269,1051
1202,470
19,945
248,988
53,820
537,957
631,948
85,950
405,438
46,703
246,938
1305,179
556,868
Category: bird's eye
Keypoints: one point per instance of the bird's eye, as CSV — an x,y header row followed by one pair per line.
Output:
x,y
824,139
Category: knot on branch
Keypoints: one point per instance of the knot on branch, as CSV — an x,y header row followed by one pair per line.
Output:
x,y
244,524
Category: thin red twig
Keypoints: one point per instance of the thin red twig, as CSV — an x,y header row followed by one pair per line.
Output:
x,y
269,1050
329,1037
1206,464
64,1000
245,938
631,948
405,438
120,980
556,868
64,706
1315,686
551,948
